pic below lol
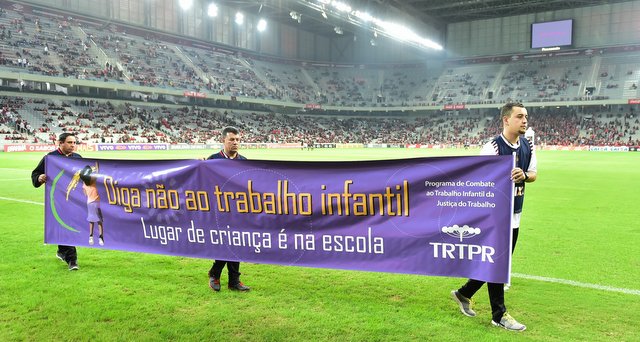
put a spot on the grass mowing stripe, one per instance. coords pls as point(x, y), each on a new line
point(20, 200)
point(577, 283)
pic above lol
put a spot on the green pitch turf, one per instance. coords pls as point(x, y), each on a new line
point(580, 231)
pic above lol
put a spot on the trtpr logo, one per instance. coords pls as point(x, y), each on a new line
point(463, 232)
point(444, 250)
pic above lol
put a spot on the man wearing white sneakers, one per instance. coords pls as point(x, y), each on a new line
point(514, 120)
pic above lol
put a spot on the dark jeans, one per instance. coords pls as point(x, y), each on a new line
point(68, 253)
point(496, 291)
point(233, 268)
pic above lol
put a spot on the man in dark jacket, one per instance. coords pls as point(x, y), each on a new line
point(66, 146)
point(231, 141)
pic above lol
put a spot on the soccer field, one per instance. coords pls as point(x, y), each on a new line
point(575, 271)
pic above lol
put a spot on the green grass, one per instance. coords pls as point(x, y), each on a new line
point(580, 223)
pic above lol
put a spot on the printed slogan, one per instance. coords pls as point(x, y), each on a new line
point(446, 216)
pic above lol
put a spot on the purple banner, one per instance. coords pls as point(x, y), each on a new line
point(446, 216)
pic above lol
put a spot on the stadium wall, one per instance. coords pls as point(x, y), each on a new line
point(602, 25)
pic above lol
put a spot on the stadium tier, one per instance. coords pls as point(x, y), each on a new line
point(68, 48)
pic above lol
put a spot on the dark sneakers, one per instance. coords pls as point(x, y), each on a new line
point(61, 257)
point(214, 283)
point(239, 287)
point(73, 266)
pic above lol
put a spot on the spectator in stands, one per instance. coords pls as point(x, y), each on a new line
point(66, 147)
point(514, 120)
point(231, 141)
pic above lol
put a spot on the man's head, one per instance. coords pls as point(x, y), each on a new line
point(231, 140)
point(67, 143)
point(514, 118)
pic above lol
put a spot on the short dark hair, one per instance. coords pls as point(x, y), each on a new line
point(229, 129)
point(507, 108)
point(63, 137)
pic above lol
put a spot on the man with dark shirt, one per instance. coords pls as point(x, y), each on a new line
point(514, 118)
point(66, 146)
point(231, 142)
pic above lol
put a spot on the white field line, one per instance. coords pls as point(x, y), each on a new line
point(577, 284)
point(20, 200)
point(516, 275)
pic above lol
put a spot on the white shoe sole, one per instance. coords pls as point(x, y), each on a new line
point(505, 328)
point(60, 258)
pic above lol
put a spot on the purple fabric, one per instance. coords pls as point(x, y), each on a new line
point(445, 216)
point(94, 214)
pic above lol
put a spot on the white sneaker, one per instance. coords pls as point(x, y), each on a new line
point(90, 240)
point(101, 242)
point(509, 323)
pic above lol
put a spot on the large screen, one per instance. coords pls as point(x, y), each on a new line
point(551, 34)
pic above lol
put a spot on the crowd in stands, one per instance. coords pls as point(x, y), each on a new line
point(65, 47)
point(39, 120)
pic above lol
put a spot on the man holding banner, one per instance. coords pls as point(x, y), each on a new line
point(66, 147)
point(231, 143)
point(514, 120)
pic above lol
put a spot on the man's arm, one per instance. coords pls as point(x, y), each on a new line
point(37, 175)
point(532, 170)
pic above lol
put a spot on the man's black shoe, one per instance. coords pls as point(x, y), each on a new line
point(214, 283)
point(73, 266)
point(61, 257)
point(239, 287)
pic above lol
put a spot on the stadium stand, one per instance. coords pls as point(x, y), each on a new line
point(65, 47)
point(95, 121)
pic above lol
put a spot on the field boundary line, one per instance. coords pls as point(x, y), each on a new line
point(577, 284)
point(20, 200)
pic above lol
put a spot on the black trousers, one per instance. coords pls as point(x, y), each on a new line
point(68, 253)
point(233, 268)
point(496, 291)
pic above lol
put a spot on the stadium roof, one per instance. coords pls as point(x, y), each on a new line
point(449, 11)
point(431, 13)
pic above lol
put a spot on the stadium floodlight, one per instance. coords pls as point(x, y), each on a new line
point(262, 25)
point(296, 16)
point(364, 16)
point(403, 33)
point(363, 19)
point(212, 10)
point(341, 6)
point(185, 4)
point(239, 18)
